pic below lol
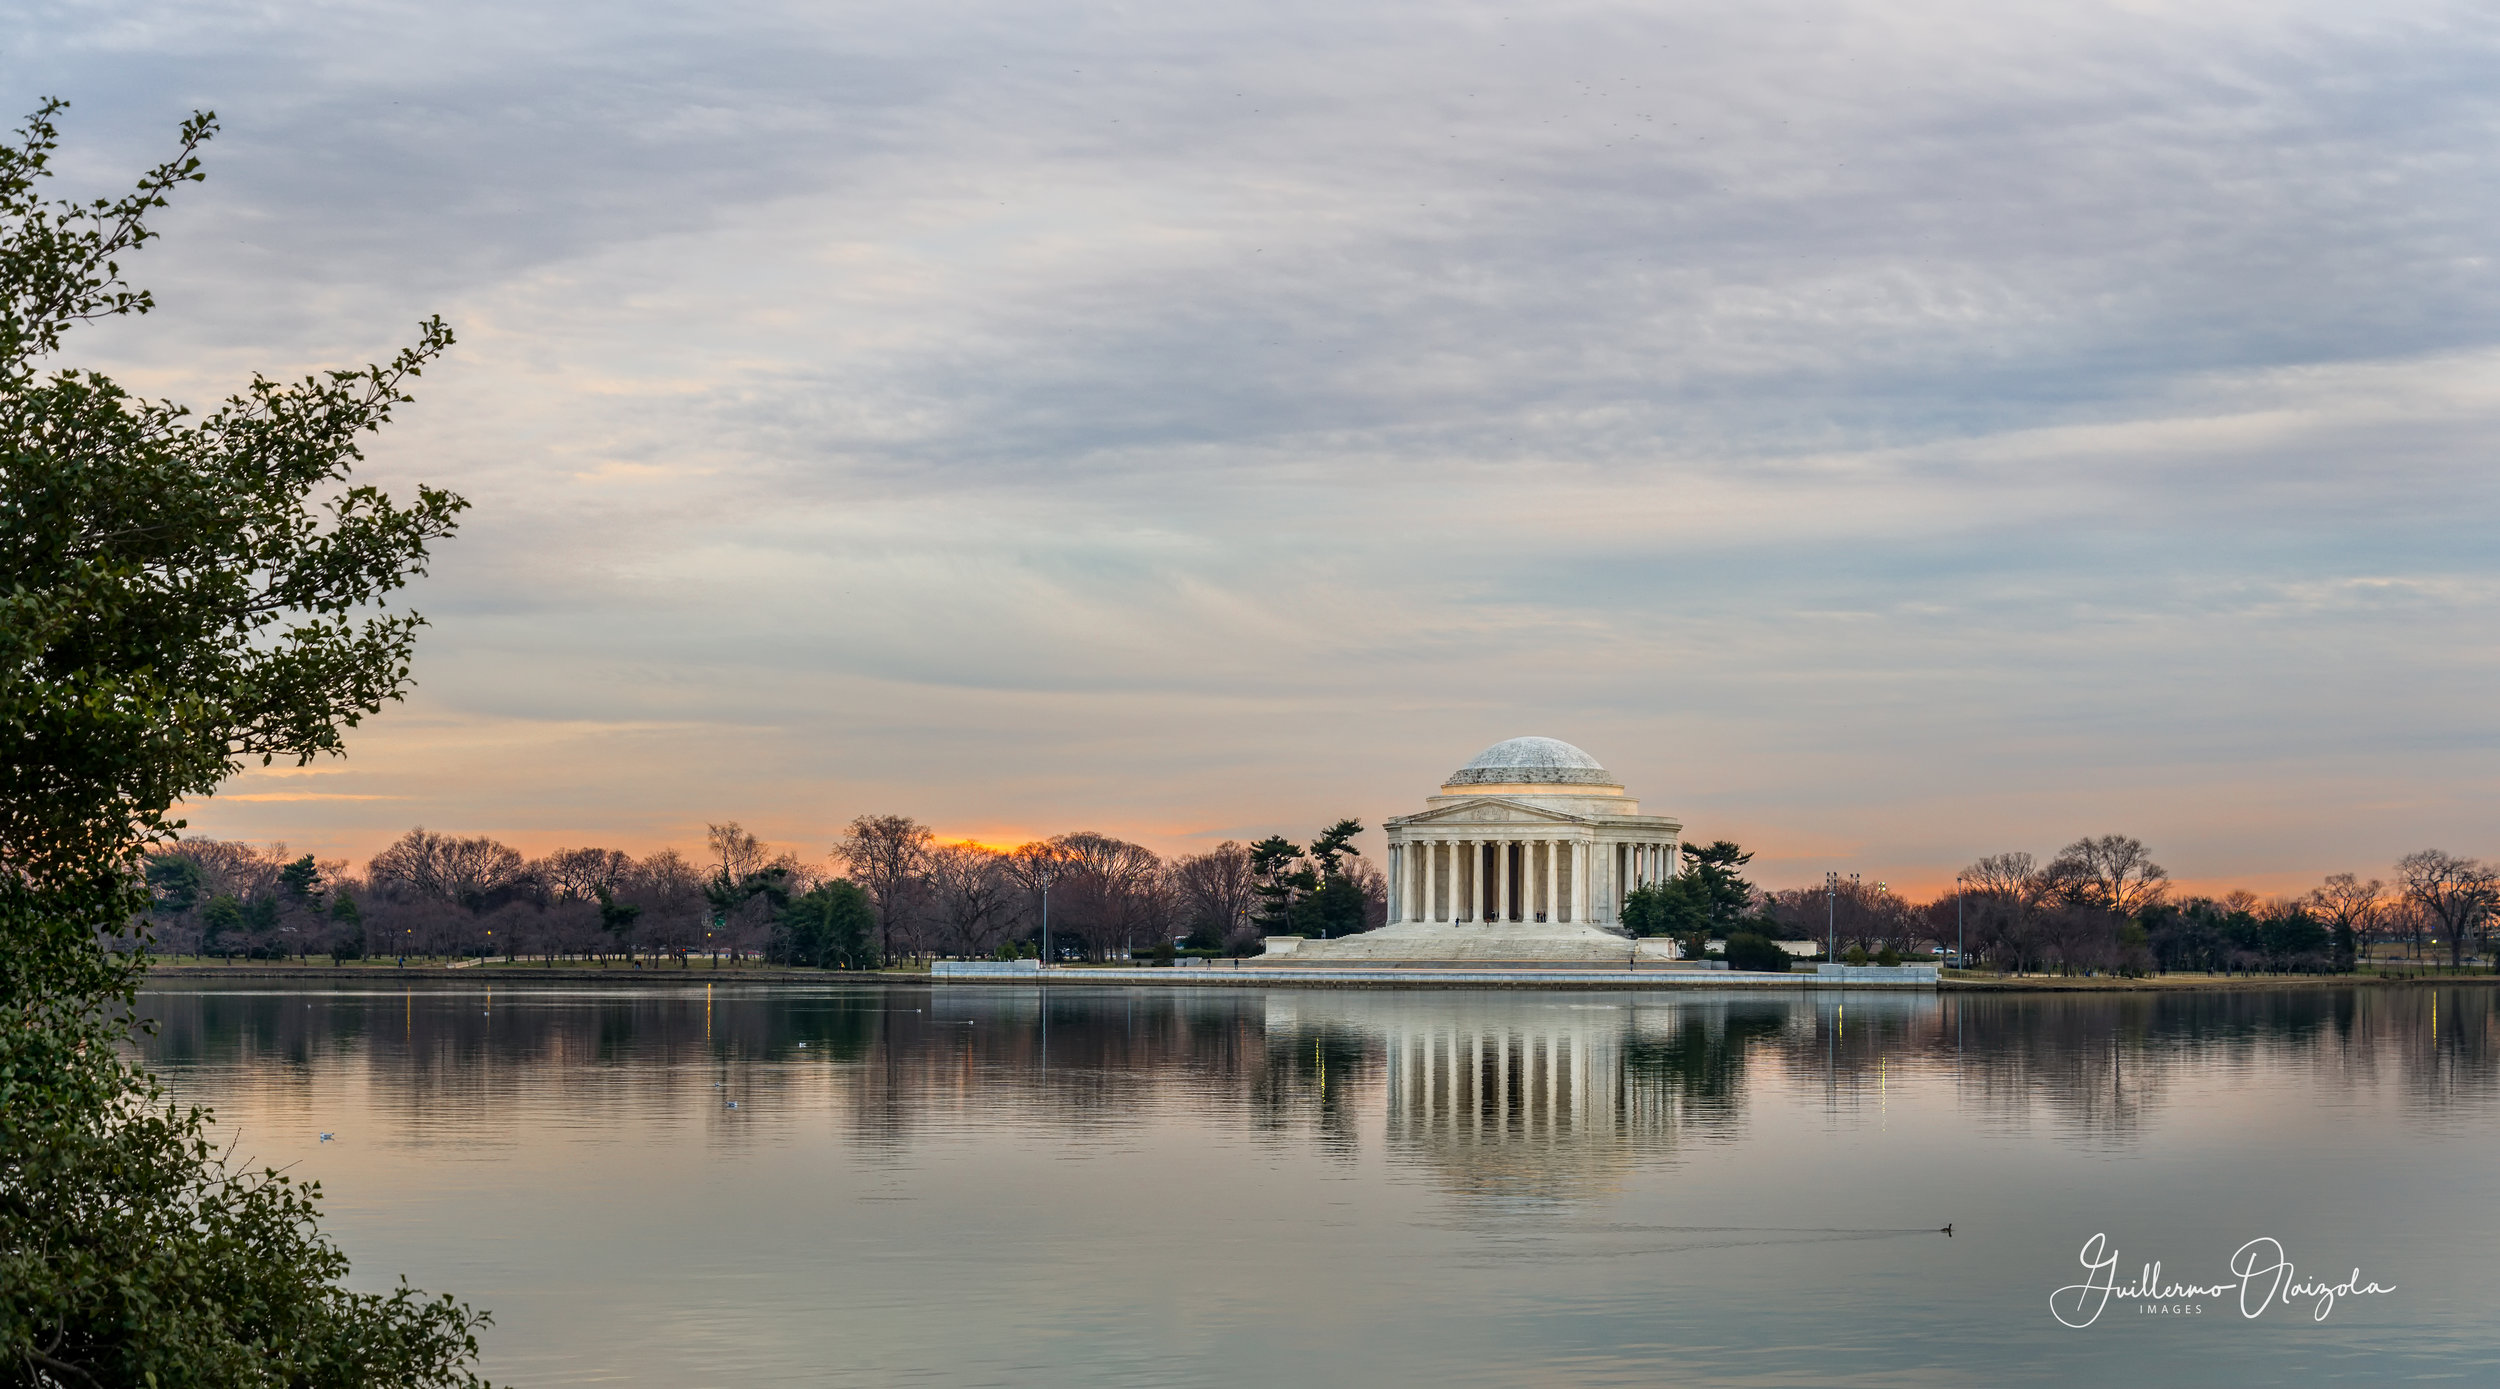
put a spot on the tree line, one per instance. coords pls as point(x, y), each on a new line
point(2104, 904)
point(2101, 904)
point(889, 889)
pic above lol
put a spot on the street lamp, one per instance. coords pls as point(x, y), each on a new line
point(1961, 959)
point(1041, 870)
point(1831, 917)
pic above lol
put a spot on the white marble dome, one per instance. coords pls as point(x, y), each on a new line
point(1532, 762)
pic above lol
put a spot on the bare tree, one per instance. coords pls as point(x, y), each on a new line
point(1863, 915)
point(2455, 894)
point(2404, 921)
point(1037, 867)
point(975, 895)
point(804, 875)
point(2113, 872)
point(2344, 900)
point(749, 885)
point(738, 854)
point(1373, 884)
point(467, 872)
point(1217, 892)
point(668, 891)
point(230, 869)
point(2012, 877)
point(580, 875)
point(1110, 890)
point(886, 855)
point(2007, 889)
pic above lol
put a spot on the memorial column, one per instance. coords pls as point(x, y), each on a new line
point(1501, 880)
point(1419, 876)
point(1434, 893)
point(1431, 867)
point(1423, 899)
point(1571, 875)
point(1553, 905)
point(1396, 864)
point(1597, 881)
point(1580, 882)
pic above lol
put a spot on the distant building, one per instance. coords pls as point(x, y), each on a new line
point(1532, 830)
point(1525, 854)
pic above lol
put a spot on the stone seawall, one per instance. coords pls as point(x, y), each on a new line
point(1443, 977)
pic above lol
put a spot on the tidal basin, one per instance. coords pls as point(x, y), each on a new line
point(878, 1184)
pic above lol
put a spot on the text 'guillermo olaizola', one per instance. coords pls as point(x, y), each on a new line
point(2261, 1277)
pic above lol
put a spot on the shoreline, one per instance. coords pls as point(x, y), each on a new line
point(2209, 984)
point(1272, 977)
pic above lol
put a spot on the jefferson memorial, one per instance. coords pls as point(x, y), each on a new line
point(1526, 854)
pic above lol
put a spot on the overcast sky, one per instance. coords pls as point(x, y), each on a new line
point(1884, 434)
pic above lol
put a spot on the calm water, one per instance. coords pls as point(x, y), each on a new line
point(957, 1186)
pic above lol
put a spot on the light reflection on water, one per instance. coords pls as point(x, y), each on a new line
point(671, 1185)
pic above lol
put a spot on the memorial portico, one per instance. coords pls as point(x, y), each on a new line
point(1527, 852)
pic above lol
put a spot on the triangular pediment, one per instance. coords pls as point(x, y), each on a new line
point(1491, 810)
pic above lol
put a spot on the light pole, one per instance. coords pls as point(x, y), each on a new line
point(1831, 917)
point(1961, 960)
point(1043, 870)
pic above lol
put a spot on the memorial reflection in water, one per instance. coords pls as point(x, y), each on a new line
point(1522, 1094)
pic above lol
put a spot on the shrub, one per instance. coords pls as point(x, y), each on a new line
point(1751, 952)
point(1855, 955)
point(1888, 956)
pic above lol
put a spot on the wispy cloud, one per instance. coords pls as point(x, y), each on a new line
point(294, 796)
point(1920, 431)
